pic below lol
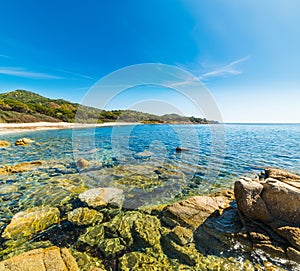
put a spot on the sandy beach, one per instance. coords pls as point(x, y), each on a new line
point(12, 128)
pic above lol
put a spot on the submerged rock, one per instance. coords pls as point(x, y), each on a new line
point(22, 167)
point(101, 197)
point(84, 216)
point(49, 259)
point(143, 154)
point(23, 141)
point(31, 221)
point(82, 163)
point(4, 143)
point(92, 235)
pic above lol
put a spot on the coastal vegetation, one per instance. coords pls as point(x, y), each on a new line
point(24, 106)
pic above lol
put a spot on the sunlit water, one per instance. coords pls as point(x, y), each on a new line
point(143, 161)
point(213, 158)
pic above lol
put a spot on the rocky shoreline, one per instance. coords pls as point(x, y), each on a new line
point(254, 227)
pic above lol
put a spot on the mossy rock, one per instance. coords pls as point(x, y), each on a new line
point(86, 262)
point(31, 221)
point(137, 261)
point(84, 216)
point(92, 235)
point(137, 229)
point(112, 246)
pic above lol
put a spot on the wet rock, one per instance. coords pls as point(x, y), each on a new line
point(292, 234)
point(92, 235)
point(49, 259)
point(84, 216)
point(23, 141)
point(22, 167)
point(138, 230)
point(193, 211)
point(185, 254)
point(82, 163)
point(179, 149)
point(31, 221)
point(137, 261)
point(86, 262)
point(181, 235)
point(101, 197)
point(111, 247)
point(4, 143)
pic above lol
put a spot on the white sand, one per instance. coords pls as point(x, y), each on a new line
point(12, 128)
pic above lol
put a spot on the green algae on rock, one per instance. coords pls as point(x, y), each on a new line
point(92, 235)
point(31, 221)
point(84, 216)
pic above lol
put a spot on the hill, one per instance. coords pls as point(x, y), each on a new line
point(25, 106)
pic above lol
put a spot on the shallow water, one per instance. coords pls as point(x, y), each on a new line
point(142, 160)
point(214, 156)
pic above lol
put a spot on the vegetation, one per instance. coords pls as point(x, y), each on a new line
point(25, 106)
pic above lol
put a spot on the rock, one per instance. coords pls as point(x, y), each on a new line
point(281, 175)
point(269, 208)
point(93, 235)
point(86, 262)
point(247, 194)
point(23, 141)
point(82, 163)
point(179, 149)
point(22, 167)
point(49, 259)
point(101, 197)
point(84, 216)
point(181, 235)
point(272, 202)
point(137, 261)
point(4, 143)
point(292, 234)
point(186, 255)
point(193, 211)
point(293, 254)
point(138, 230)
point(111, 247)
point(143, 154)
point(31, 221)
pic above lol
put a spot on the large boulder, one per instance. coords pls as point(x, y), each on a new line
point(31, 221)
point(269, 208)
point(193, 211)
point(101, 197)
point(275, 202)
point(49, 259)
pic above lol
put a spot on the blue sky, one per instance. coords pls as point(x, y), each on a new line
point(246, 53)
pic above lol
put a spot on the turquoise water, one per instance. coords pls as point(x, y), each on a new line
point(215, 156)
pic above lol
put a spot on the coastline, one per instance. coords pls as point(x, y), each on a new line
point(12, 128)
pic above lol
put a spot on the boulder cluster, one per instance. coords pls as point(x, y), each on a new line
point(259, 222)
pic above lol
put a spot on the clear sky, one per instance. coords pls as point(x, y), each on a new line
point(246, 53)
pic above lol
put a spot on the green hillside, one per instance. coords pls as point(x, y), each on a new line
point(25, 106)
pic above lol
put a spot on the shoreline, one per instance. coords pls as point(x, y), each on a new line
point(14, 128)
